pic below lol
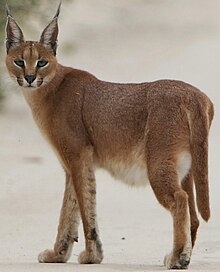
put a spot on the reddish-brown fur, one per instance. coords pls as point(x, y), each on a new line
point(156, 131)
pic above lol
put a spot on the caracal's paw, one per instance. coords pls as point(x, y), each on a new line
point(49, 256)
point(90, 257)
point(173, 262)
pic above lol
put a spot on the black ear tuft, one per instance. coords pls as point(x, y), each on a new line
point(14, 35)
point(49, 35)
point(58, 11)
point(7, 10)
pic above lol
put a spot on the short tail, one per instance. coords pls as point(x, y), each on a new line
point(199, 124)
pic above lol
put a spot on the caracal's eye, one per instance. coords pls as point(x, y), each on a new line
point(19, 63)
point(42, 63)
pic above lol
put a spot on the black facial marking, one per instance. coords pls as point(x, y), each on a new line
point(30, 50)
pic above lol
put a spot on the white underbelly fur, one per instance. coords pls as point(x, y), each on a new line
point(134, 173)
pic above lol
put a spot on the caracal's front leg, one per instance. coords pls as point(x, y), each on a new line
point(85, 186)
point(67, 230)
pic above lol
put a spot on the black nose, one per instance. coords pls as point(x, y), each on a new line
point(30, 78)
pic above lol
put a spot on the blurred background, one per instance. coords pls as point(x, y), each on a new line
point(121, 41)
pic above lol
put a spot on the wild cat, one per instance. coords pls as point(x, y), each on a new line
point(156, 132)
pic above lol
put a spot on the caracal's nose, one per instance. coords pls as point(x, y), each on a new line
point(30, 78)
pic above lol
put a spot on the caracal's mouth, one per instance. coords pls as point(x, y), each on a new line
point(34, 85)
point(30, 86)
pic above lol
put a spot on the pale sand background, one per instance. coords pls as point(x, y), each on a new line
point(126, 40)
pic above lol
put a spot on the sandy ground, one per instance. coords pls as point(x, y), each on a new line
point(117, 41)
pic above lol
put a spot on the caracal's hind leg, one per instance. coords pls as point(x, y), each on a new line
point(187, 185)
point(85, 186)
point(67, 230)
point(164, 181)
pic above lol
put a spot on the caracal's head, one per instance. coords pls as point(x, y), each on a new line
point(31, 63)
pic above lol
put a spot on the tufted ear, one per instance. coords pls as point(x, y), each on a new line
point(14, 35)
point(49, 35)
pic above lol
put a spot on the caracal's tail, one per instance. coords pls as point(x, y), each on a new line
point(200, 122)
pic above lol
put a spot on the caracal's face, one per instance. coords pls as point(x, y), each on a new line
point(31, 64)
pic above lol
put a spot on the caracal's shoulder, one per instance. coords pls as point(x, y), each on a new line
point(75, 74)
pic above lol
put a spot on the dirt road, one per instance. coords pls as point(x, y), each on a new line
point(117, 41)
